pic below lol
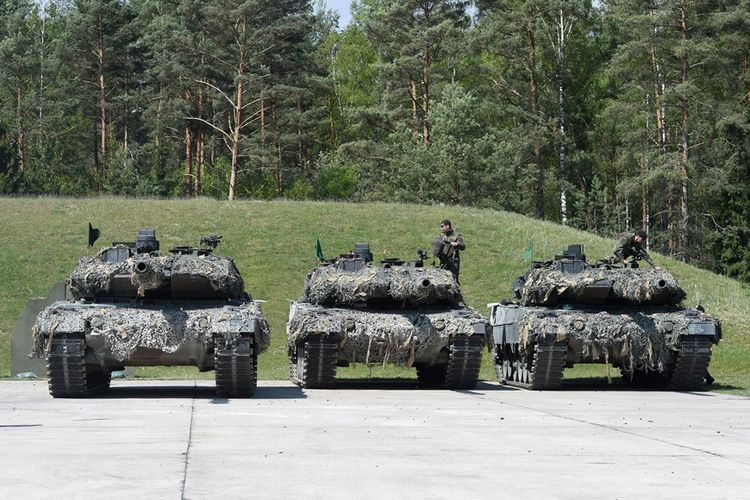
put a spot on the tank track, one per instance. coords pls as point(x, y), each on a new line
point(540, 367)
point(464, 361)
point(236, 367)
point(67, 373)
point(687, 373)
point(314, 364)
point(691, 363)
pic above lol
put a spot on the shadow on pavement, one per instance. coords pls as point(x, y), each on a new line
point(190, 391)
point(618, 384)
point(405, 384)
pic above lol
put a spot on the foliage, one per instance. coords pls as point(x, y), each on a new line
point(635, 113)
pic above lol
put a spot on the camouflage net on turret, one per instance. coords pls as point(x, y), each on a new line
point(383, 337)
point(93, 277)
point(404, 285)
point(167, 328)
point(545, 286)
point(644, 339)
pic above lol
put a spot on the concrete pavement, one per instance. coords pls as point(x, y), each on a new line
point(174, 439)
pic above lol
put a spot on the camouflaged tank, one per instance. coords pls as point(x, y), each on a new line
point(132, 307)
point(395, 312)
point(567, 311)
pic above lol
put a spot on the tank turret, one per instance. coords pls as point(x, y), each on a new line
point(568, 279)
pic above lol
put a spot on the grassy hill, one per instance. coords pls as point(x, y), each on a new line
point(273, 246)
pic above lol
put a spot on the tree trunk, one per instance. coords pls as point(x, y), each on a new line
point(237, 116)
point(426, 97)
point(658, 98)
point(684, 104)
point(332, 124)
point(21, 137)
point(277, 145)
point(414, 117)
point(561, 104)
point(534, 103)
point(102, 103)
point(188, 160)
point(200, 161)
point(644, 198)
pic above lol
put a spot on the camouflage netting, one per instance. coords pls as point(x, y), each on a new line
point(384, 337)
point(149, 273)
point(401, 284)
point(545, 286)
point(127, 328)
point(638, 339)
point(93, 277)
point(221, 272)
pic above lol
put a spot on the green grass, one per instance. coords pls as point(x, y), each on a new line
point(273, 246)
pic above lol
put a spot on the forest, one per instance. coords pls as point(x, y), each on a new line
point(604, 115)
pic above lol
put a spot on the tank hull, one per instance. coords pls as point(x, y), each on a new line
point(533, 345)
point(432, 339)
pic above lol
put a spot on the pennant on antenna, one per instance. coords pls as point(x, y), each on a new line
point(93, 235)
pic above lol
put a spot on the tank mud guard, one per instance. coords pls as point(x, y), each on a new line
point(68, 376)
point(236, 367)
point(541, 366)
point(313, 363)
point(464, 361)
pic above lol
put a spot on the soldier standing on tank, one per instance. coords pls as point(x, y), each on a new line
point(631, 245)
point(447, 246)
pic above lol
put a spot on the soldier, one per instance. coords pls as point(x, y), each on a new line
point(631, 245)
point(447, 246)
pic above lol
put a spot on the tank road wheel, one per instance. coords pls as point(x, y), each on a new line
point(464, 360)
point(512, 367)
point(539, 367)
point(67, 373)
point(236, 367)
point(314, 363)
point(504, 362)
point(690, 364)
point(431, 376)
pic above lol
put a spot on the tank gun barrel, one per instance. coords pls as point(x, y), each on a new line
point(143, 268)
point(148, 274)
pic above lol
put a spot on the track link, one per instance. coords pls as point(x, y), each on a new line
point(236, 367)
point(691, 363)
point(313, 365)
point(67, 373)
point(464, 361)
point(541, 366)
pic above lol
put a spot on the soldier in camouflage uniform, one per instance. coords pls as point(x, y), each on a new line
point(447, 246)
point(631, 245)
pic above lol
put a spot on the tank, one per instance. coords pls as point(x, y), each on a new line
point(397, 312)
point(567, 311)
point(131, 306)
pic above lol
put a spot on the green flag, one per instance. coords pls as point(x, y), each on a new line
point(319, 250)
point(529, 253)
